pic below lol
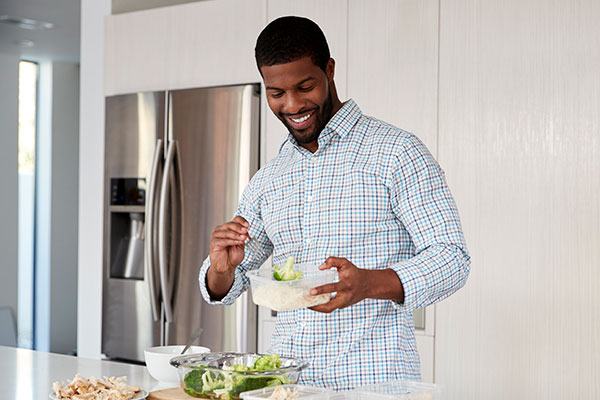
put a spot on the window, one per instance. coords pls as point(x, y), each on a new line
point(28, 89)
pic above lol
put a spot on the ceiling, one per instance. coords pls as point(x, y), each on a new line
point(60, 43)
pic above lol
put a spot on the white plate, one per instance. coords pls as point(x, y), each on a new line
point(141, 395)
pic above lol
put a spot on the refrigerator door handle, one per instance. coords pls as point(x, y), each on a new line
point(150, 230)
point(162, 232)
point(244, 178)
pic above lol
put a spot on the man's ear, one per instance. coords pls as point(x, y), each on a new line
point(330, 69)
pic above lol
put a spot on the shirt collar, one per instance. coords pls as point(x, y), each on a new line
point(344, 120)
point(341, 124)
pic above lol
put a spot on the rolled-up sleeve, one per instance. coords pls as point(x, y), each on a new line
point(257, 250)
point(422, 201)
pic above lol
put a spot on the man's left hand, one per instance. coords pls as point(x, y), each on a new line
point(351, 288)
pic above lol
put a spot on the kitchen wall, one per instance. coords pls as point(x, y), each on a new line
point(91, 173)
point(505, 94)
point(56, 208)
point(65, 190)
point(9, 113)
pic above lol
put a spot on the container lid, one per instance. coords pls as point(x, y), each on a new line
point(309, 272)
point(300, 391)
point(224, 359)
point(399, 389)
point(352, 395)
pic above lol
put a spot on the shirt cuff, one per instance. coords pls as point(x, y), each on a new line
point(413, 284)
point(230, 297)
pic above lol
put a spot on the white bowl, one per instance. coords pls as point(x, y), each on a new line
point(157, 360)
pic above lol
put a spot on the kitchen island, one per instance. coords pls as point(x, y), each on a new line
point(28, 375)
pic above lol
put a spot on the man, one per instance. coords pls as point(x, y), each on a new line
point(346, 191)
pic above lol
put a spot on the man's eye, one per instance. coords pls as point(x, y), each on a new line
point(277, 94)
point(306, 88)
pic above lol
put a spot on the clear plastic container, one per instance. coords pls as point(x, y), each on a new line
point(289, 295)
point(301, 392)
point(397, 389)
point(220, 366)
point(353, 395)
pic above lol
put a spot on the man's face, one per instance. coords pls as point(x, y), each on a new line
point(299, 94)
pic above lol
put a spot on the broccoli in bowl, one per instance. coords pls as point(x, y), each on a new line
point(226, 375)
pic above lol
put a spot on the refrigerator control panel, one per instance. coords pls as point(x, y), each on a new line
point(128, 191)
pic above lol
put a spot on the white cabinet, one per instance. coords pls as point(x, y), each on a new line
point(519, 137)
point(200, 44)
point(392, 63)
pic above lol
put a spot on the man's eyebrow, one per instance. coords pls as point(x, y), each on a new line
point(297, 84)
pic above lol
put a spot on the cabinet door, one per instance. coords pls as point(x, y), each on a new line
point(393, 63)
point(200, 44)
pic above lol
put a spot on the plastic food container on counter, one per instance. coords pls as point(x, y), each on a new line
point(397, 389)
point(289, 295)
point(300, 392)
point(211, 375)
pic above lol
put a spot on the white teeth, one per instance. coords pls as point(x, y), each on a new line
point(299, 120)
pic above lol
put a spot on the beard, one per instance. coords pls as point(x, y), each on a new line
point(322, 117)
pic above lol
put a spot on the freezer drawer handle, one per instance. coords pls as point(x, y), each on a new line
point(162, 234)
point(150, 230)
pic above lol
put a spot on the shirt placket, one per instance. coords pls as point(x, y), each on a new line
point(308, 227)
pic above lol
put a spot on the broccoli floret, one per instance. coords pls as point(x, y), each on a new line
point(247, 383)
point(278, 380)
point(200, 382)
point(286, 273)
point(211, 383)
point(268, 362)
point(193, 381)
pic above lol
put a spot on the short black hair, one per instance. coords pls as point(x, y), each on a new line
point(291, 38)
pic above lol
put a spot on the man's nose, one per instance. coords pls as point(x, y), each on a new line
point(294, 103)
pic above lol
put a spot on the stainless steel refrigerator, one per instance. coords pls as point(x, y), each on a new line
point(176, 163)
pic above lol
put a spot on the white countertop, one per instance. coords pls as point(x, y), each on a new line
point(28, 375)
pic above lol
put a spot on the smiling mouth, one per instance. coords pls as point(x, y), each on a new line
point(302, 122)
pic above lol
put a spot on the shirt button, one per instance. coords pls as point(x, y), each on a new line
point(309, 198)
point(308, 241)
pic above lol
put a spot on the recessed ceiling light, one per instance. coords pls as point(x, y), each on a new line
point(26, 23)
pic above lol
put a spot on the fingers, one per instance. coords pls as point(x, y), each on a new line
point(329, 288)
point(231, 233)
point(348, 290)
point(241, 220)
point(222, 243)
point(330, 306)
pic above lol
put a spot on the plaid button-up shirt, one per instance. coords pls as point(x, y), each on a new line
point(371, 193)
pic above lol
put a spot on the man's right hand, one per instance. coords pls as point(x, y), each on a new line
point(227, 251)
